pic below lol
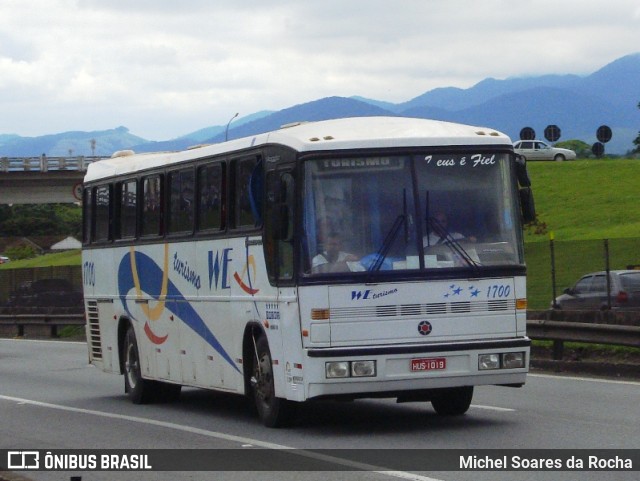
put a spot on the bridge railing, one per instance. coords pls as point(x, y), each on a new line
point(43, 163)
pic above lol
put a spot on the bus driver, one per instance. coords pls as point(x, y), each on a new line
point(332, 258)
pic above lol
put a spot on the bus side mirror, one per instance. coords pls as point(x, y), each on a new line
point(521, 171)
point(280, 196)
point(527, 205)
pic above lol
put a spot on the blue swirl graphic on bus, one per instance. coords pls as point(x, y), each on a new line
point(139, 272)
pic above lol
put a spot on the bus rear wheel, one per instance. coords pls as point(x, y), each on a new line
point(453, 401)
point(273, 411)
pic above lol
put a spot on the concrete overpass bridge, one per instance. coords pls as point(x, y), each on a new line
point(42, 180)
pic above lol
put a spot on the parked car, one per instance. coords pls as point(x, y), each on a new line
point(4, 259)
point(590, 292)
point(539, 150)
point(46, 293)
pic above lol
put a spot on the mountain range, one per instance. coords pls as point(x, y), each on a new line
point(578, 105)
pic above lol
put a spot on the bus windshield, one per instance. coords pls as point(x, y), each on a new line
point(413, 212)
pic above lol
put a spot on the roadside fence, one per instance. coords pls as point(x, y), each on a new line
point(553, 266)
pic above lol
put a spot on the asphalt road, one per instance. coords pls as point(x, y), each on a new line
point(50, 398)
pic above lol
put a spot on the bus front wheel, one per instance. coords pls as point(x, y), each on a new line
point(139, 390)
point(273, 411)
point(453, 401)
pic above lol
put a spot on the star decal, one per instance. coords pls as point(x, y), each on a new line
point(457, 291)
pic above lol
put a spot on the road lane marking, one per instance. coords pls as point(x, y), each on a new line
point(589, 379)
point(493, 408)
point(227, 437)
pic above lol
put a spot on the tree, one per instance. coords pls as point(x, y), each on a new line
point(38, 220)
point(582, 149)
point(20, 252)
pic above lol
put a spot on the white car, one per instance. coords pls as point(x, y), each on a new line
point(539, 150)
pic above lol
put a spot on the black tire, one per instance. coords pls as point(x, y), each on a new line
point(453, 402)
point(139, 390)
point(559, 158)
point(273, 411)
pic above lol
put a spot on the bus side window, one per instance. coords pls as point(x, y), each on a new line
point(181, 201)
point(247, 198)
point(152, 206)
point(87, 215)
point(126, 209)
point(211, 197)
point(102, 230)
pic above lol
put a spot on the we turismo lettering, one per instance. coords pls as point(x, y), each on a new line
point(182, 268)
point(368, 294)
point(219, 269)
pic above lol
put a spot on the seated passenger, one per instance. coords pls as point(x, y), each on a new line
point(332, 258)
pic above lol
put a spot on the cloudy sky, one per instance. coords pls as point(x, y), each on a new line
point(164, 68)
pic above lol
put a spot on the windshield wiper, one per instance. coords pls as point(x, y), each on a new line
point(381, 255)
point(401, 220)
point(451, 242)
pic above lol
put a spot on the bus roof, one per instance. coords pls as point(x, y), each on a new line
point(337, 134)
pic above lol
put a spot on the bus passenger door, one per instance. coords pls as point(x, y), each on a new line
point(283, 316)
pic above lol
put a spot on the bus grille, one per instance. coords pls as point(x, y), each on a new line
point(95, 344)
point(428, 309)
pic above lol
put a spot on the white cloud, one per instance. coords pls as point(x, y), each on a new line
point(164, 68)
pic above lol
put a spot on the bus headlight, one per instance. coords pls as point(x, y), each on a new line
point(488, 361)
point(506, 360)
point(337, 369)
point(363, 368)
point(513, 360)
point(342, 369)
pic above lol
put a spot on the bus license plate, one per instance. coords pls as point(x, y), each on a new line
point(429, 364)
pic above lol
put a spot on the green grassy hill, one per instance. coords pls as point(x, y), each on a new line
point(581, 202)
point(65, 258)
point(587, 199)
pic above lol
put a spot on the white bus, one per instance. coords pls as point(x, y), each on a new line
point(350, 258)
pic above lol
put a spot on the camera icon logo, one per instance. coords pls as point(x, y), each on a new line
point(23, 460)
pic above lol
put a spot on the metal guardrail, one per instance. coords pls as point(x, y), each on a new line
point(38, 324)
point(45, 164)
point(611, 334)
point(616, 328)
point(563, 331)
